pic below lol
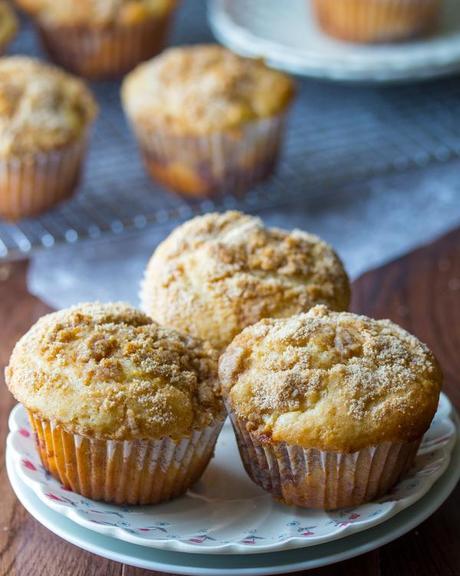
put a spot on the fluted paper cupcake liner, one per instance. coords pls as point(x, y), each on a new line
point(313, 478)
point(124, 472)
point(105, 52)
point(213, 164)
point(33, 183)
point(377, 20)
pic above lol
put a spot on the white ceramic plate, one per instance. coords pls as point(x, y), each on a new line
point(286, 35)
point(225, 512)
point(243, 565)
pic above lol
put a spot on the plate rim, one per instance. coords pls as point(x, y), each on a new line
point(231, 548)
point(354, 545)
point(445, 59)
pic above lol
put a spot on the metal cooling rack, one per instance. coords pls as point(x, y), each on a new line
point(337, 135)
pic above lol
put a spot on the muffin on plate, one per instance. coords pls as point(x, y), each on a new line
point(373, 21)
point(208, 121)
point(123, 410)
point(219, 273)
point(8, 25)
point(328, 408)
point(45, 115)
point(101, 38)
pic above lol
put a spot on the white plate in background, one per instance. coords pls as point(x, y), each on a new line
point(287, 36)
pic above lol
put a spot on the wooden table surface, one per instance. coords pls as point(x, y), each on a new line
point(420, 291)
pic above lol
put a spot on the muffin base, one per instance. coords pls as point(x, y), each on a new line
point(377, 21)
point(124, 472)
point(215, 164)
point(98, 53)
point(34, 183)
point(313, 478)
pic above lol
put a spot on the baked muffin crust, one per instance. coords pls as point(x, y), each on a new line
point(95, 12)
point(219, 273)
point(41, 107)
point(332, 381)
point(109, 371)
point(204, 88)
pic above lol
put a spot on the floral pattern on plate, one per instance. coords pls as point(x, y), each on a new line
point(225, 512)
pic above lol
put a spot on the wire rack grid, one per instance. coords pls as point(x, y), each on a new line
point(337, 135)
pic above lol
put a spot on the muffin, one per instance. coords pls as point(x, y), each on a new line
point(45, 115)
point(371, 21)
point(101, 38)
point(328, 408)
point(208, 121)
point(123, 410)
point(219, 273)
point(8, 25)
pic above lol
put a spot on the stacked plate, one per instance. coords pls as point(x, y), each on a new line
point(226, 524)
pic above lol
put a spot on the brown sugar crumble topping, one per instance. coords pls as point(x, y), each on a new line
point(41, 107)
point(110, 370)
point(204, 88)
point(219, 273)
point(331, 380)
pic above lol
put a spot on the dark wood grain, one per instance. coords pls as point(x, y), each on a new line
point(420, 291)
point(26, 548)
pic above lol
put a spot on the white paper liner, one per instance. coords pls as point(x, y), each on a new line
point(377, 20)
point(33, 183)
point(213, 164)
point(105, 52)
point(125, 472)
point(313, 478)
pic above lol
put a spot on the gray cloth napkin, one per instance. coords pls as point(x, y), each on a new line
point(367, 224)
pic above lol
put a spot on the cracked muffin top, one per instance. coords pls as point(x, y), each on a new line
point(204, 88)
point(217, 274)
point(331, 380)
point(109, 371)
point(41, 107)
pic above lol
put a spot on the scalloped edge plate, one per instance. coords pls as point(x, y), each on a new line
point(242, 565)
point(226, 513)
point(290, 40)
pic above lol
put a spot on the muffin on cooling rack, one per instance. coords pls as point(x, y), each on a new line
point(45, 115)
point(101, 38)
point(208, 121)
point(8, 25)
point(123, 410)
point(219, 273)
point(371, 21)
point(328, 408)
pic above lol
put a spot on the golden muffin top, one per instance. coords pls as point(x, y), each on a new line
point(8, 23)
point(204, 88)
point(95, 12)
point(109, 371)
point(334, 381)
point(41, 107)
point(219, 273)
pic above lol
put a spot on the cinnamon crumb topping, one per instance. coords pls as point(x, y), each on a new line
point(334, 381)
point(109, 370)
point(204, 88)
point(219, 273)
point(41, 107)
